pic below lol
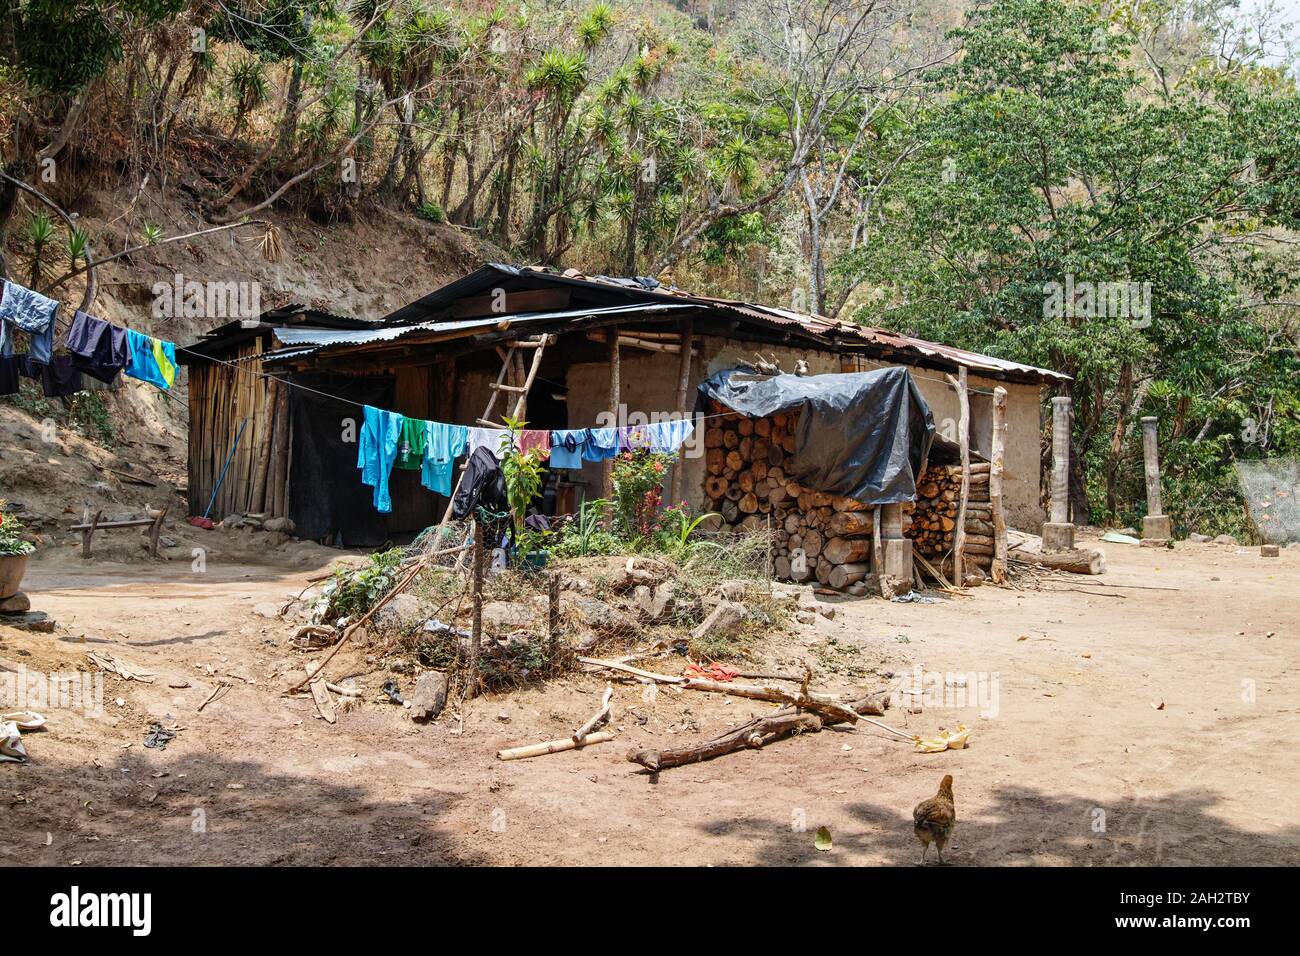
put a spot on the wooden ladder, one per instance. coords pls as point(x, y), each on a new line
point(537, 345)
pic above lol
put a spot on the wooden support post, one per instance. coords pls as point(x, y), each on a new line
point(553, 615)
point(1058, 533)
point(86, 534)
point(998, 572)
point(476, 633)
point(683, 383)
point(1156, 525)
point(614, 383)
point(963, 443)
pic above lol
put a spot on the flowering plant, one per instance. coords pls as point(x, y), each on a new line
point(11, 539)
point(637, 478)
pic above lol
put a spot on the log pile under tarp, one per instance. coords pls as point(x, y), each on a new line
point(933, 524)
point(816, 536)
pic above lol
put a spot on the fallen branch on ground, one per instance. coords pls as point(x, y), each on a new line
point(804, 699)
point(756, 733)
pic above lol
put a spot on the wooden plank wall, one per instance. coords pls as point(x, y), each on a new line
point(220, 398)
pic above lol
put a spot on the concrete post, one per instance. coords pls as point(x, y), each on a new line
point(1058, 533)
point(1156, 525)
point(897, 559)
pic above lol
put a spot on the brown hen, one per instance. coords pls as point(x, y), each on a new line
point(934, 819)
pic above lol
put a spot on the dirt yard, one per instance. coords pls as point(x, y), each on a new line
point(1129, 726)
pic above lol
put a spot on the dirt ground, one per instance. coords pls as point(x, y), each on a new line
point(1129, 726)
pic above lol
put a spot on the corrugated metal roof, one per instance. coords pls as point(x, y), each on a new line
point(816, 325)
point(304, 341)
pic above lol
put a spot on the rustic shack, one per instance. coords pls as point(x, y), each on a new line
point(600, 344)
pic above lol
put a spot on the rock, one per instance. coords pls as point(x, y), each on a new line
point(429, 696)
point(805, 617)
point(1269, 551)
point(1199, 538)
point(267, 610)
point(1225, 539)
point(653, 605)
point(167, 541)
point(857, 590)
point(398, 614)
point(603, 619)
point(16, 604)
point(723, 621)
point(507, 614)
point(732, 590)
point(37, 621)
point(231, 521)
point(284, 525)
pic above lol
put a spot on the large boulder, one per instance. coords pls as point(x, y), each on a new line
point(603, 619)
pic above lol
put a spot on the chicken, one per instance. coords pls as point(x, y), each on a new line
point(934, 819)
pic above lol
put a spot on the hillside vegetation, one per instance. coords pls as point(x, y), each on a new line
point(1105, 189)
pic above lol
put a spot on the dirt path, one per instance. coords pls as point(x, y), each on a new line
point(1070, 763)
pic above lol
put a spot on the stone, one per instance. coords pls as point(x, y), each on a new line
point(1199, 538)
point(653, 605)
point(1058, 536)
point(1157, 527)
point(732, 590)
point(897, 563)
point(1269, 551)
point(1225, 539)
point(37, 621)
point(1157, 543)
point(507, 614)
point(805, 617)
point(285, 525)
point(604, 619)
point(429, 696)
point(723, 621)
point(398, 614)
point(16, 603)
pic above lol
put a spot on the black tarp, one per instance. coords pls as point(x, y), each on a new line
point(863, 435)
point(326, 497)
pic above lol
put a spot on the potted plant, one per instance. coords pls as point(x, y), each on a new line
point(13, 554)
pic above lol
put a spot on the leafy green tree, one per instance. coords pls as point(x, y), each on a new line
point(1061, 215)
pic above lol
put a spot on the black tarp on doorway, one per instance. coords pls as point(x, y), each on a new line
point(327, 500)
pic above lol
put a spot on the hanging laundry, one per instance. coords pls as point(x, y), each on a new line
point(540, 440)
point(495, 440)
point(634, 438)
point(377, 448)
point(58, 377)
point(8, 375)
point(97, 348)
point(668, 436)
point(410, 446)
point(602, 444)
point(150, 360)
point(568, 446)
point(33, 313)
point(443, 444)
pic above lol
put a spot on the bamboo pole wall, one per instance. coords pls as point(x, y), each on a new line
point(221, 397)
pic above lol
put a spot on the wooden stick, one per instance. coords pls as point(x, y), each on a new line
point(476, 630)
point(553, 746)
point(998, 572)
point(963, 441)
point(683, 383)
point(598, 718)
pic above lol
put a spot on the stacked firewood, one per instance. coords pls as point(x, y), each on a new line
point(816, 535)
point(934, 515)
